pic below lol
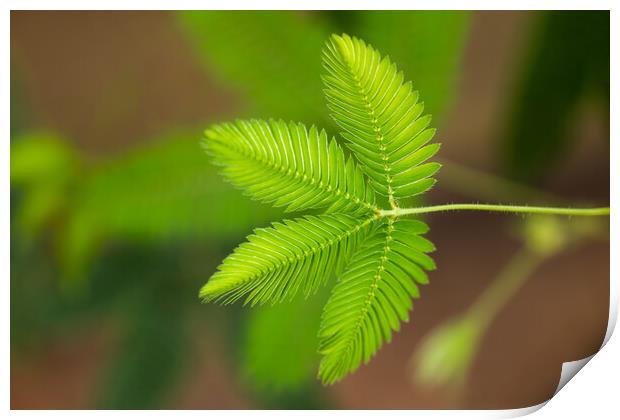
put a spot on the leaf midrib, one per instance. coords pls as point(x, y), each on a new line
point(377, 130)
point(373, 286)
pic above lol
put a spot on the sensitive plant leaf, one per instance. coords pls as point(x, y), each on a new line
point(295, 255)
point(289, 165)
point(373, 296)
point(381, 118)
point(378, 260)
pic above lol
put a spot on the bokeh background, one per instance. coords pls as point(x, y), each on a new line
point(118, 218)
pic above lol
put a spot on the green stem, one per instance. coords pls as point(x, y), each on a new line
point(600, 211)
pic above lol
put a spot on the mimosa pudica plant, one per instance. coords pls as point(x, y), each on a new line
point(362, 237)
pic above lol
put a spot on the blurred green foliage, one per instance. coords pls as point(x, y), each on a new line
point(46, 167)
point(122, 224)
point(156, 194)
point(153, 338)
point(567, 60)
point(287, 359)
point(265, 56)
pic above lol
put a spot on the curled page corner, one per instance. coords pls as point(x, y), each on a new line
point(570, 369)
point(520, 412)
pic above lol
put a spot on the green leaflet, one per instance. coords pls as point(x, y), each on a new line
point(275, 263)
point(289, 165)
point(381, 118)
point(372, 296)
point(378, 259)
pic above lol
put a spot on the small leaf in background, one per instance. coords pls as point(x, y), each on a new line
point(545, 235)
point(548, 235)
point(446, 353)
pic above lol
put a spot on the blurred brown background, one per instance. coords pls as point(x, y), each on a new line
point(110, 81)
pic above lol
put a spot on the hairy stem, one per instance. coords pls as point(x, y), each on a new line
point(600, 211)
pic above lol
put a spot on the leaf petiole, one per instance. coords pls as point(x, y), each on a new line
point(599, 211)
